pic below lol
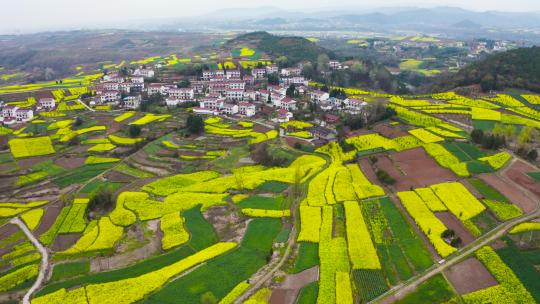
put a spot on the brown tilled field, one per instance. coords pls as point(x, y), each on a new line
point(411, 168)
point(518, 173)
point(389, 131)
point(470, 275)
point(70, 162)
point(452, 222)
point(515, 195)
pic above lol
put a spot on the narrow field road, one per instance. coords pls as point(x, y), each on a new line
point(44, 259)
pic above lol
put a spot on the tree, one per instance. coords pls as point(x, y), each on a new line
point(101, 201)
point(291, 91)
point(273, 79)
point(323, 63)
point(184, 83)
point(282, 61)
point(477, 135)
point(532, 155)
point(134, 131)
point(195, 124)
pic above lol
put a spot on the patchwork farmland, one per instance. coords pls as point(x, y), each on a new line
point(161, 203)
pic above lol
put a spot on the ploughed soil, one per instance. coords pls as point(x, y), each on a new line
point(115, 176)
point(411, 168)
point(6, 231)
point(518, 173)
point(389, 131)
point(470, 275)
point(514, 194)
point(453, 223)
point(291, 141)
point(65, 241)
point(48, 219)
point(288, 291)
point(27, 163)
point(70, 162)
point(260, 128)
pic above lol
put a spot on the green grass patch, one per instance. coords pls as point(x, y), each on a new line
point(70, 270)
point(202, 236)
point(533, 256)
point(263, 202)
point(478, 167)
point(521, 266)
point(132, 171)
point(95, 185)
point(50, 167)
point(534, 175)
point(435, 290)
point(487, 191)
point(225, 271)
point(484, 125)
point(273, 186)
point(308, 294)
point(5, 158)
point(369, 283)
point(308, 256)
point(81, 174)
point(413, 247)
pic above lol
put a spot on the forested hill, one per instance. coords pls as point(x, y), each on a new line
point(296, 49)
point(518, 68)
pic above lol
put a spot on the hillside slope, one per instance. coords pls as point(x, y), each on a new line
point(296, 49)
point(518, 68)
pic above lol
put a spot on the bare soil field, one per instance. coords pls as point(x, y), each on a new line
point(27, 163)
point(70, 162)
point(64, 241)
point(470, 275)
point(389, 131)
point(411, 168)
point(260, 128)
point(288, 291)
point(115, 176)
point(514, 194)
point(51, 213)
point(518, 173)
point(291, 141)
point(453, 223)
point(419, 167)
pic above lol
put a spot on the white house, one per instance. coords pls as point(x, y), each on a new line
point(233, 74)
point(318, 96)
point(288, 104)
point(288, 72)
point(109, 96)
point(258, 73)
point(132, 102)
point(146, 73)
point(246, 108)
point(182, 93)
point(229, 108)
point(23, 115)
point(234, 94)
point(46, 103)
point(272, 69)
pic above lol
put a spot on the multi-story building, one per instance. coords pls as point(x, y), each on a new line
point(258, 73)
point(132, 102)
point(46, 104)
point(246, 108)
point(182, 93)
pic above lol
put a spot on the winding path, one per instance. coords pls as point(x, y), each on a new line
point(44, 267)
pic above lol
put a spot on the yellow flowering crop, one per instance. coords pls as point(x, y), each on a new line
point(362, 252)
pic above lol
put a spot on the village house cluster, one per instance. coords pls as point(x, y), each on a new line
point(231, 92)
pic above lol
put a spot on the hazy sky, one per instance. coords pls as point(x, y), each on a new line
point(46, 14)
